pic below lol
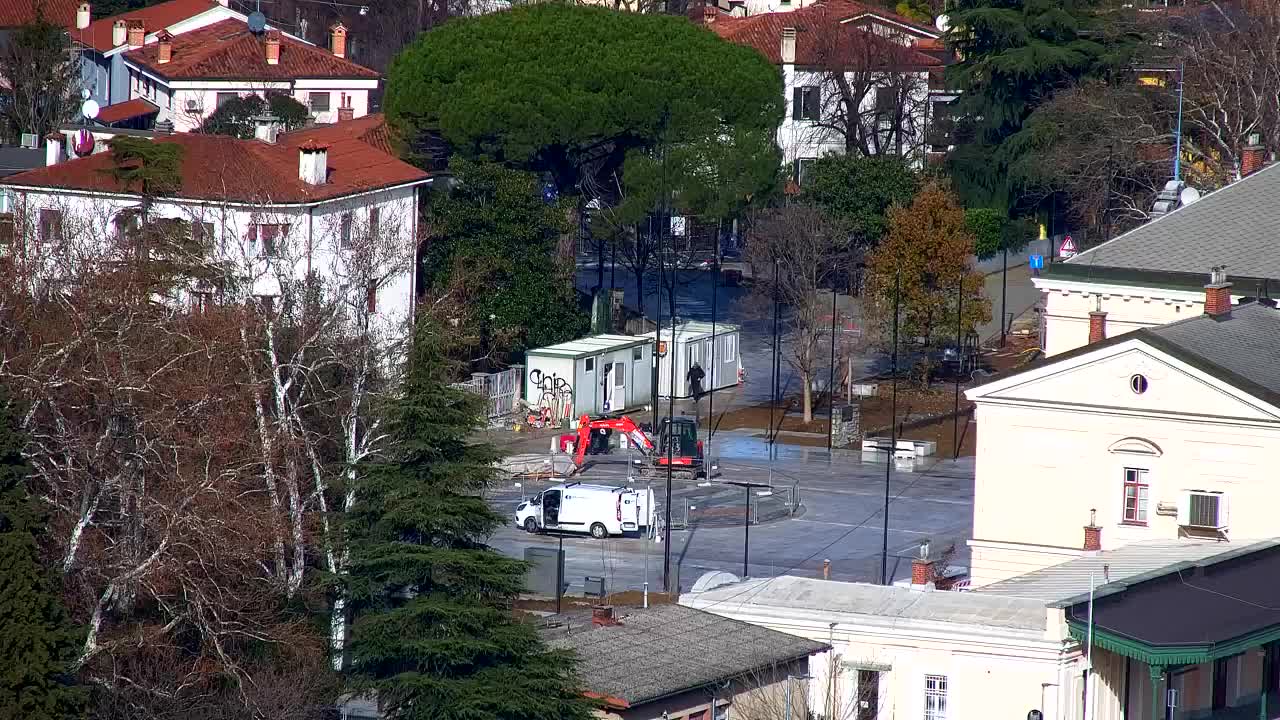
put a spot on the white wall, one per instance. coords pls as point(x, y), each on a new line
point(807, 139)
point(1055, 446)
point(311, 246)
point(1068, 304)
point(203, 99)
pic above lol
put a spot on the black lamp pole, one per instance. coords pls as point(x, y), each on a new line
point(893, 433)
point(831, 374)
point(955, 420)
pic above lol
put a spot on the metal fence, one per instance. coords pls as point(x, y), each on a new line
point(501, 389)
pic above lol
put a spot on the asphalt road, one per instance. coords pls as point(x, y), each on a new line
point(841, 519)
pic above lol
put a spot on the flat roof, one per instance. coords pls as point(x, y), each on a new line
point(1111, 570)
point(890, 602)
point(696, 330)
point(592, 345)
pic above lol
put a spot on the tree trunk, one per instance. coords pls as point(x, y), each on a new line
point(808, 398)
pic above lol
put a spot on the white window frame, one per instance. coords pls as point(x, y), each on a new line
point(1140, 480)
point(730, 348)
point(935, 697)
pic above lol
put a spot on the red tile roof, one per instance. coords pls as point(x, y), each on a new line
point(827, 32)
point(370, 129)
point(226, 50)
point(98, 34)
point(21, 12)
point(126, 110)
point(224, 169)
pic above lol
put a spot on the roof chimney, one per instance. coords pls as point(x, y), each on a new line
point(338, 40)
point(52, 149)
point(165, 50)
point(602, 616)
point(1092, 533)
point(266, 127)
point(1097, 323)
point(313, 162)
point(1217, 294)
point(119, 33)
point(922, 567)
point(83, 16)
point(272, 45)
point(788, 46)
point(1253, 156)
point(137, 33)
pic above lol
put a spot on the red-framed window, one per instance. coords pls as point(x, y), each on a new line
point(1137, 494)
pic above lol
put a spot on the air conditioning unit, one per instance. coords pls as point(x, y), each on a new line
point(30, 140)
point(1203, 510)
point(193, 105)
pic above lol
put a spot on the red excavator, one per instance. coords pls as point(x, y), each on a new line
point(686, 452)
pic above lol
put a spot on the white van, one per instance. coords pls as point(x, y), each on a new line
point(601, 510)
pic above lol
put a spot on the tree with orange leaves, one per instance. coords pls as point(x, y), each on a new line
point(923, 268)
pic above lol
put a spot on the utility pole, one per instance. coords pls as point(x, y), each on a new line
point(893, 432)
point(711, 377)
point(1004, 292)
point(831, 374)
point(955, 418)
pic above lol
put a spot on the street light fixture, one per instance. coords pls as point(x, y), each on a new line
point(746, 520)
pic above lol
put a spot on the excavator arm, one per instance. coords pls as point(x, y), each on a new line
point(622, 424)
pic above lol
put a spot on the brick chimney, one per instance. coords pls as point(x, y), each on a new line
point(83, 16)
point(1097, 323)
point(338, 40)
point(164, 50)
point(1092, 533)
point(346, 113)
point(119, 33)
point(272, 46)
point(313, 163)
point(1252, 156)
point(137, 33)
point(922, 567)
point(1217, 294)
point(788, 46)
point(602, 616)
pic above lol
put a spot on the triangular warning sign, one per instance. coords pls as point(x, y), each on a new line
point(1068, 246)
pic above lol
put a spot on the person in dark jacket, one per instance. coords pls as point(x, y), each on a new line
point(694, 378)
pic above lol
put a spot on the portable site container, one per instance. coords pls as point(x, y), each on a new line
point(695, 342)
point(593, 375)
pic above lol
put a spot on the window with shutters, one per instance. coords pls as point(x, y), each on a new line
point(935, 697)
point(374, 218)
point(265, 239)
point(319, 101)
point(344, 238)
point(1136, 496)
point(226, 97)
point(202, 235)
point(7, 232)
point(371, 296)
point(806, 103)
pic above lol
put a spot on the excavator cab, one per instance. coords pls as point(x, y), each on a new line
point(682, 432)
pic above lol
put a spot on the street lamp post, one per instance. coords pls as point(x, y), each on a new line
point(893, 432)
point(787, 693)
point(746, 520)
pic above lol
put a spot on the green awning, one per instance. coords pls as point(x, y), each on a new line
point(1172, 655)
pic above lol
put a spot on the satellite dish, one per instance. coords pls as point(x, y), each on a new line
point(89, 109)
point(257, 21)
point(943, 23)
point(1189, 195)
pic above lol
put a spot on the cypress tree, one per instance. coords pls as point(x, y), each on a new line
point(433, 635)
point(37, 642)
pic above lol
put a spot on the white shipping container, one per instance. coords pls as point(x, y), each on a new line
point(595, 375)
point(716, 351)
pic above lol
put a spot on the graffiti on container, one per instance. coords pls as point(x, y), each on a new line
point(555, 396)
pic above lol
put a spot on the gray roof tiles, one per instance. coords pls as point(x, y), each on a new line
point(1067, 583)
point(1235, 226)
point(876, 601)
point(1245, 343)
point(668, 649)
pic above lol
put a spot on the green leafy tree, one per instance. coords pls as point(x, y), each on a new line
point(433, 634)
point(994, 231)
point(574, 90)
point(858, 191)
point(37, 641)
point(236, 117)
point(494, 251)
point(1015, 55)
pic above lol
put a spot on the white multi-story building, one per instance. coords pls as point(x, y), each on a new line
point(329, 202)
point(855, 79)
point(179, 60)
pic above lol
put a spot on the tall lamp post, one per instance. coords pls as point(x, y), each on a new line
point(746, 521)
point(893, 431)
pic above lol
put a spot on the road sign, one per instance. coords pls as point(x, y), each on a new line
point(1068, 248)
point(677, 225)
point(1036, 262)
